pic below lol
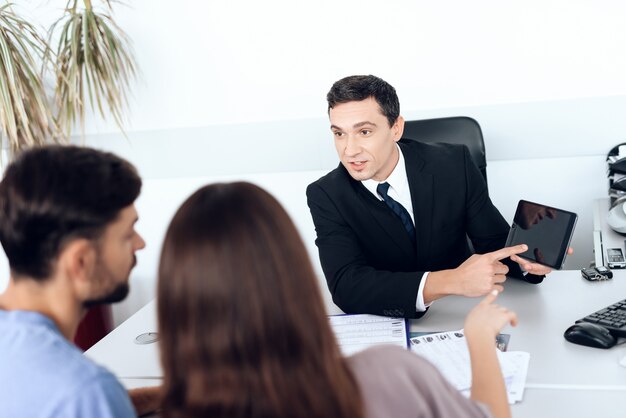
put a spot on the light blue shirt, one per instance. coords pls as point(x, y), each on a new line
point(44, 375)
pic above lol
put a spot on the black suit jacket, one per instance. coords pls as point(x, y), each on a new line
point(369, 261)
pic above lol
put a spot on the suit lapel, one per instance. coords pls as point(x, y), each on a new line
point(422, 195)
point(385, 218)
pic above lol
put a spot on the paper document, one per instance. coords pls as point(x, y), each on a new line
point(448, 352)
point(357, 332)
point(516, 365)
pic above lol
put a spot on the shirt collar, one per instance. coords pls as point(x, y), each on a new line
point(397, 179)
point(30, 317)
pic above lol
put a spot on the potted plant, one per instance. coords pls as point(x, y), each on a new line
point(93, 58)
point(26, 116)
point(92, 61)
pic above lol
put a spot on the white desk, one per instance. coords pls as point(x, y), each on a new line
point(544, 312)
point(563, 379)
point(119, 353)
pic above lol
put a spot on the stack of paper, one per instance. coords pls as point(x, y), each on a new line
point(358, 332)
point(448, 352)
point(514, 366)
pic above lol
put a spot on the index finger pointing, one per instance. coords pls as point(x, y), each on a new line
point(491, 296)
point(508, 251)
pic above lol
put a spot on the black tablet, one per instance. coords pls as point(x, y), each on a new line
point(546, 230)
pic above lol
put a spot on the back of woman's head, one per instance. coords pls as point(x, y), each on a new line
point(242, 323)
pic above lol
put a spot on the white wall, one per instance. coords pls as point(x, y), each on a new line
point(224, 62)
point(210, 62)
point(238, 87)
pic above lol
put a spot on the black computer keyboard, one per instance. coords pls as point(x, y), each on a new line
point(613, 317)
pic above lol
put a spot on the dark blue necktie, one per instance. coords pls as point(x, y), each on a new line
point(398, 209)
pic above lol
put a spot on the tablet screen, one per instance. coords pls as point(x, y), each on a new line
point(546, 230)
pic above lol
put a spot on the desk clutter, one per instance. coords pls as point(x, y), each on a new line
point(449, 353)
point(445, 350)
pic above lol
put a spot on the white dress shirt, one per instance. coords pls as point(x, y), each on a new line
point(400, 192)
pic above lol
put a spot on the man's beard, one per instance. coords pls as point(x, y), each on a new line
point(118, 294)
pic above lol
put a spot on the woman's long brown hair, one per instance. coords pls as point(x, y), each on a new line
point(242, 324)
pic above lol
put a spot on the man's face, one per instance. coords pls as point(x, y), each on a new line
point(116, 259)
point(365, 142)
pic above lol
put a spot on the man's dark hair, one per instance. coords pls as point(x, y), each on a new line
point(360, 87)
point(54, 194)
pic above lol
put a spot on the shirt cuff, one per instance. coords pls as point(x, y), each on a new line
point(420, 306)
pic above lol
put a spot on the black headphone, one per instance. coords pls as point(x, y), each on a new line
point(616, 173)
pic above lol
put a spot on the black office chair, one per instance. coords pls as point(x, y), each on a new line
point(453, 130)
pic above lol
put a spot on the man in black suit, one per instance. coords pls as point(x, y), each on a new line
point(392, 220)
